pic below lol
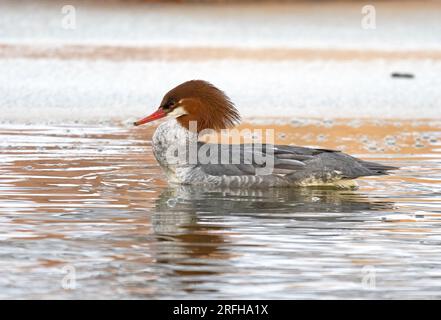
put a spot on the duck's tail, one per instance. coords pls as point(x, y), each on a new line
point(377, 168)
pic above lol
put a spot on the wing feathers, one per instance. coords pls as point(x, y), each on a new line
point(289, 161)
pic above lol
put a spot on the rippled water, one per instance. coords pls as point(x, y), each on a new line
point(90, 203)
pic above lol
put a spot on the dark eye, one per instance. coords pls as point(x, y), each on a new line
point(168, 105)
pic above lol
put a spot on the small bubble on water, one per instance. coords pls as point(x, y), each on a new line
point(171, 203)
point(297, 123)
point(328, 122)
point(425, 136)
point(390, 140)
point(255, 136)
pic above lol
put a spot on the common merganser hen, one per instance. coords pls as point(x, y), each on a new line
point(196, 105)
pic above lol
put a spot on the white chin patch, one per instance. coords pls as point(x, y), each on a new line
point(177, 112)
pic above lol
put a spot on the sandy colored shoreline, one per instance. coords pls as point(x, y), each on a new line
point(121, 53)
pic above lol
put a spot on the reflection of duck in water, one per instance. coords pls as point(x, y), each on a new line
point(183, 205)
point(201, 105)
point(194, 225)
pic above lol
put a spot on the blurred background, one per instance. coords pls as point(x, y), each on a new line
point(89, 61)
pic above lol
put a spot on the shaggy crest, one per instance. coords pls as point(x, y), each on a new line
point(202, 102)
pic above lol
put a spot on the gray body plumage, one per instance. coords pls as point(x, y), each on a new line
point(251, 165)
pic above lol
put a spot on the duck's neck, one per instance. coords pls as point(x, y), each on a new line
point(170, 140)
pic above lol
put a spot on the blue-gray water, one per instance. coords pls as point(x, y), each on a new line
point(85, 213)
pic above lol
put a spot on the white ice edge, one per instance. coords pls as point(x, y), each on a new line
point(58, 91)
point(69, 91)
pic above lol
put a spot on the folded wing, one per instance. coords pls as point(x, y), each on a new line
point(289, 161)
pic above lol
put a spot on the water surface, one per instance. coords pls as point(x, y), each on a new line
point(90, 203)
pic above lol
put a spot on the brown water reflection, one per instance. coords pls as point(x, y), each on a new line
point(93, 199)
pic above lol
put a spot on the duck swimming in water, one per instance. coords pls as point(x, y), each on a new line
point(196, 106)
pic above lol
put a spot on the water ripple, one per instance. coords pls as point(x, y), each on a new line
point(93, 199)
